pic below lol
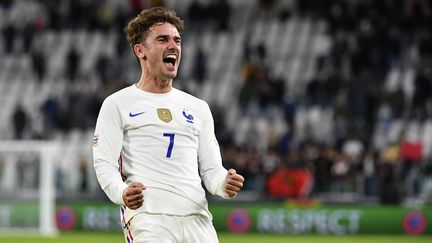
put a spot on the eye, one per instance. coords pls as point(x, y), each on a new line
point(161, 39)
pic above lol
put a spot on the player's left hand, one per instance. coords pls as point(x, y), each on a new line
point(233, 183)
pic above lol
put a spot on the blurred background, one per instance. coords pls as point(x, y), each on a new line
point(314, 102)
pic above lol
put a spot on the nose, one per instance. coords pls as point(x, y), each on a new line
point(172, 45)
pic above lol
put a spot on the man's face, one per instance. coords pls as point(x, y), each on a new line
point(162, 51)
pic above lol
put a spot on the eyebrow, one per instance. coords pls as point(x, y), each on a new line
point(167, 37)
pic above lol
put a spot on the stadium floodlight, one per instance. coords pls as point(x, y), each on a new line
point(14, 193)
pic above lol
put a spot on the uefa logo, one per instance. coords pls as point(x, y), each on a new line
point(414, 223)
point(239, 221)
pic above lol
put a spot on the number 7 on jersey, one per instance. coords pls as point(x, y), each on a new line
point(171, 143)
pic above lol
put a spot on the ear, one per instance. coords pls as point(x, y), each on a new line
point(140, 51)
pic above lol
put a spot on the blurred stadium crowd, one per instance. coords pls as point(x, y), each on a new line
point(311, 99)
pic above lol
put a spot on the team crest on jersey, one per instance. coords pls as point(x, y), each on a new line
point(164, 114)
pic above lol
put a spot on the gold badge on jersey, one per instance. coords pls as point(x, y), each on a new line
point(164, 114)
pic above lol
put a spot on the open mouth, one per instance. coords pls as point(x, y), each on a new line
point(170, 60)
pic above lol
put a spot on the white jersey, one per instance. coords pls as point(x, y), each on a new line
point(166, 142)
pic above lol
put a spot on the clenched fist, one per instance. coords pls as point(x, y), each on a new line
point(133, 196)
point(233, 183)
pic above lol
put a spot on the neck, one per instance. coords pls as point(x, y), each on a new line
point(154, 85)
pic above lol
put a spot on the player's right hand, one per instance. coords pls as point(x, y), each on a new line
point(133, 196)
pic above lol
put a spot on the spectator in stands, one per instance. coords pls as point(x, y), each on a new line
point(83, 171)
point(411, 153)
point(223, 134)
point(215, 14)
point(72, 63)
point(78, 115)
point(287, 139)
point(353, 148)
point(9, 33)
point(252, 75)
point(28, 34)
point(20, 121)
point(200, 67)
point(422, 92)
point(6, 4)
point(102, 66)
point(50, 110)
point(105, 15)
point(322, 169)
point(277, 90)
point(424, 47)
point(222, 12)
point(55, 17)
point(266, 7)
point(39, 63)
point(342, 177)
point(388, 174)
point(159, 185)
point(264, 95)
point(370, 174)
point(94, 103)
point(197, 14)
point(289, 109)
point(396, 99)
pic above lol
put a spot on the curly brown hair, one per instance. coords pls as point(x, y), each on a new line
point(138, 28)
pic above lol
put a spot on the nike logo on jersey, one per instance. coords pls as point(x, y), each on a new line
point(135, 114)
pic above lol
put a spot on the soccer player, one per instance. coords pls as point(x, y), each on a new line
point(154, 144)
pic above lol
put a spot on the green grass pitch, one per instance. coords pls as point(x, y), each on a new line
point(225, 238)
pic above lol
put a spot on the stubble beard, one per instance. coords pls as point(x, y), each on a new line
point(162, 83)
point(166, 80)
